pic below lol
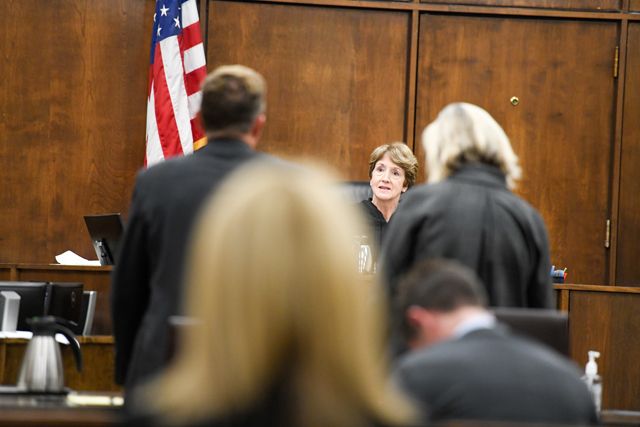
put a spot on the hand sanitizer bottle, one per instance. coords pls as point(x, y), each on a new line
point(593, 380)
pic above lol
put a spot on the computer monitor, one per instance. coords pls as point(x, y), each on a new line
point(65, 300)
point(105, 231)
point(32, 300)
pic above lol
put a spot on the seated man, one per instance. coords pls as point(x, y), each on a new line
point(463, 365)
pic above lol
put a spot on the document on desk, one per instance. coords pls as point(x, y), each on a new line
point(71, 258)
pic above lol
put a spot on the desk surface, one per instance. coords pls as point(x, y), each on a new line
point(614, 417)
point(61, 411)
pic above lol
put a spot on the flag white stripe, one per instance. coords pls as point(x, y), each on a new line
point(189, 13)
point(174, 75)
point(194, 58)
point(194, 104)
point(154, 149)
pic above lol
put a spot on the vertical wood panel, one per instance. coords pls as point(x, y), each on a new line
point(552, 4)
point(609, 323)
point(72, 133)
point(562, 129)
point(336, 77)
point(634, 5)
point(628, 250)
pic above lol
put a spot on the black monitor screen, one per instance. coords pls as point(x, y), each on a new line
point(105, 231)
point(32, 300)
point(65, 300)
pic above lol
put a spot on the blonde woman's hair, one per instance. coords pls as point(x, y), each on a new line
point(465, 133)
point(272, 281)
point(401, 155)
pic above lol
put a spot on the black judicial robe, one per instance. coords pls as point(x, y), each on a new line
point(377, 225)
point(474, 218)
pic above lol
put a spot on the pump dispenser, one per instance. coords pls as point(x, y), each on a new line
point(592, 379)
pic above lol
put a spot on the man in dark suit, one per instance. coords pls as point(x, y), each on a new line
point(146, 287)
point(464, 366)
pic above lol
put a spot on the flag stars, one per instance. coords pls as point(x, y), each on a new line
point(154, 17)
point(164, 10)
point(159, 29)
point(177, 21)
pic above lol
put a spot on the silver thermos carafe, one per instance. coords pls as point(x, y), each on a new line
point(41, 369)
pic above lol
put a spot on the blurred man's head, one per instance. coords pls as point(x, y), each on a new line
point(233, 103)
point(434, 297)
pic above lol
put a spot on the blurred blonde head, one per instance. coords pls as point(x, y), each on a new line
point(465, 133)
point(272, 279)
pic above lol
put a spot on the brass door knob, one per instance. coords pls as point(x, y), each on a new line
point(514, 100)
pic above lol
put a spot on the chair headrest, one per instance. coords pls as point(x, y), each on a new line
point(356, 191)
point(550, 327)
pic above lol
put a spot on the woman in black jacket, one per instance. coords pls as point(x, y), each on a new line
point(392, 170)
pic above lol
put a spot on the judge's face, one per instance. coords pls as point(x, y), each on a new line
point(387, 180)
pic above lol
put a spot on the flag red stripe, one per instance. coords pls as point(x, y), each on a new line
point(191, 35)
point(196, 130)
point(167, 128)
point(193, 80)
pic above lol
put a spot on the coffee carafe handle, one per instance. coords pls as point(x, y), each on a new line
point(73, 342)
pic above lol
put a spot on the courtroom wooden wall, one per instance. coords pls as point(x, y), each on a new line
point(343, 78)
point(628, 266)
point(73, 91)
point(557, 57)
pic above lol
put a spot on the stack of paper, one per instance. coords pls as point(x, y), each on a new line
point(71, 258)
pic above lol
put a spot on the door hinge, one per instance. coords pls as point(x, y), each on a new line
point(607, 238)
point(616, 61)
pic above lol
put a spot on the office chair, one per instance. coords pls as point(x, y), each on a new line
point(356, 191)
point(550, 327)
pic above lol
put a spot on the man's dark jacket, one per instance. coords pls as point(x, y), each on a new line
point(489, 374)
point(146, 286)
point(474, 218)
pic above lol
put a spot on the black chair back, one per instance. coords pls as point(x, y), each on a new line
point(550, 327)
point(356, 191)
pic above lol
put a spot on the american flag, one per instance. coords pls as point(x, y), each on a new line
point(178, 66)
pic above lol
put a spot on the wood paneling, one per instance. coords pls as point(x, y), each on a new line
point(609, 323)
point(551, 4)
point(336, 77)
point(72, 134)
point(628, 250)
point(74, 95)
point(561, 71)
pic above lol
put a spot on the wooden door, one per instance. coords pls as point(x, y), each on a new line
point(562, 128)
point(628, 249)
point(336, 77)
